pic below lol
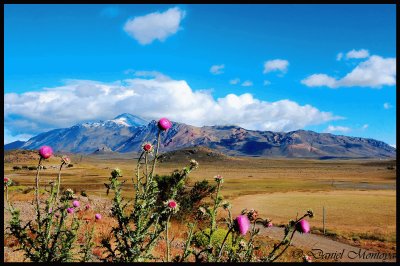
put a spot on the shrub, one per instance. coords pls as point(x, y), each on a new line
point(201, 238)
point(330, 233)
point(32, 168)
point(70, 165)
point(373, 236)
point(16, 167)
point(189, 199)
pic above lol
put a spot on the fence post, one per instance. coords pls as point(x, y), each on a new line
point(323, 219)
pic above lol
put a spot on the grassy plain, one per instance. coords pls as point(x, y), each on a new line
point(359, 195)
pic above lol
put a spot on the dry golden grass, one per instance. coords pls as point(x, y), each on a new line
point(350, 213)
point(243, 175)
point(277, 188)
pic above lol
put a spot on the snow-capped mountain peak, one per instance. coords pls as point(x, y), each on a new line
point(129, 120)
point(123, 120)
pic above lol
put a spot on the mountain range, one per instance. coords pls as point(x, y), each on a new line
point(126, 133)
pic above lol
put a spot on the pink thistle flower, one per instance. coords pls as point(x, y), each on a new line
point(303, 226)
point(219, 178)
point(50, 210)
point(87, 207)
point(70, 210)
point(269, 224)
point(242, 224)
point(65, 160)
point(7, 182)
point(147, 147)
point(164, 124)
point(45, 152)
point(97, 216)
point(172, 205)
point(76, 203)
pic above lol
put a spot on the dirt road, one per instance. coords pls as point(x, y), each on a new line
point(324, 248)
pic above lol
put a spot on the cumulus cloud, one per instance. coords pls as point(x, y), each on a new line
point(374, 73)
point(365, 126)
point(247, 83)
point(339, 56)
point(317, 80)
point(234, 81)
point(357, 54)
point(331, 129)
point(86, 100)
point(387, 106)
point(155, 26)
point(217, 69)
point(276, 65)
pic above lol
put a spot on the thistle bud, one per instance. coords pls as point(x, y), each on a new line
point(116, 173)
point(252, 215)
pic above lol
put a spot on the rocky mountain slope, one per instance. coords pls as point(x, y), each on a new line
point(126, 133)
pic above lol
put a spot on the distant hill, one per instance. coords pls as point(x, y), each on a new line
point(103, 150)
point(200, 154)
point(126, 133)
point(14, 145)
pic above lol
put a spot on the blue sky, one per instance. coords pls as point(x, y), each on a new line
point(326, 68)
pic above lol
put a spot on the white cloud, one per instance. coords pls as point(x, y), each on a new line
point(234, 81)
point(247, 83)
point(387, 105)
point(331, 129)
point(339, 56)
point(8, 137)
point(317, 80)
point(276, 65)
point(152, 74)
point(365, 126)
point(85, 100)
point(374, 73)
point(362, 53)
point(267, 83)
point(155, 26)
point(217, 69)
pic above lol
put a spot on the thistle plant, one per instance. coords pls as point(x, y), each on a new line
point(236, 245)
point(299, 225)
point(53, 234)
point(87, 246)
point(141, 223)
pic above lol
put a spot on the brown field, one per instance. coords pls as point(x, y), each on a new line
point(359, 195)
